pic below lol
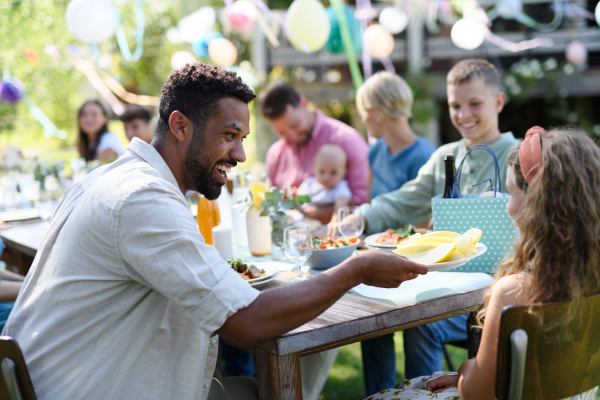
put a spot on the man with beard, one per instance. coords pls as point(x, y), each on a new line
point(124, 298)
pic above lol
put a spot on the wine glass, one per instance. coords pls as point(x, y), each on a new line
point(297, 244)
point(350, 221)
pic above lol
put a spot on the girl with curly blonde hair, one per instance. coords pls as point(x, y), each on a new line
point(554, 185)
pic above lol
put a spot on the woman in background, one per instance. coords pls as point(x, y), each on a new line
point(95, 141)
point(384, 102)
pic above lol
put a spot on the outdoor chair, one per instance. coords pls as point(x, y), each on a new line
point(542, 360)
point(471, 344)
point(15, 383)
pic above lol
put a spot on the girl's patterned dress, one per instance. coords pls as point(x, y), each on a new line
point(414, 389)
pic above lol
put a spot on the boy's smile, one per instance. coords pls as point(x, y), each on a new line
point(474, 111)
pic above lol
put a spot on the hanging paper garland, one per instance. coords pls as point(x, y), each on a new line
point(12, 90)
point(379, 41)
point(576, 53)
point(357, 77)
point(242, 15)
point(140, 23)
point(334, 43)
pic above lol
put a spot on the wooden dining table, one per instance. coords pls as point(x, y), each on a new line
point(351, 319)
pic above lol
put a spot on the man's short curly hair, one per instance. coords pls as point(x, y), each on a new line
point(195, 90)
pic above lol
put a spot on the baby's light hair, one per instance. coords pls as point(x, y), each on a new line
point(329, 153)
point(388, 92)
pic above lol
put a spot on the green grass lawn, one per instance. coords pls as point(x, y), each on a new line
point(345, 380)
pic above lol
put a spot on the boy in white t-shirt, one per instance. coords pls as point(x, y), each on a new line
point(328, 186)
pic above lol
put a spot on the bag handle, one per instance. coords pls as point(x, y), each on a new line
point(498, 181)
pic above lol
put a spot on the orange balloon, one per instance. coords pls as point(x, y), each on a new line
point(378, 41)
point(222, 52)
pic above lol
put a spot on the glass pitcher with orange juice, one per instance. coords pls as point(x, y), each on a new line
point(208, 217)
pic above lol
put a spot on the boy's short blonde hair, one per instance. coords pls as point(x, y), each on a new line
point(466, 70)
point(388, 92)
point(331, 153)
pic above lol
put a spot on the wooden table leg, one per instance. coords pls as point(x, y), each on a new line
point(278, 377)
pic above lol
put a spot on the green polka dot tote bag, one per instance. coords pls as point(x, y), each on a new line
point(486, 213)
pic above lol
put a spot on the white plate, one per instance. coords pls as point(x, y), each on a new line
point(481, 248)
point(371, 241)
point(272, 273)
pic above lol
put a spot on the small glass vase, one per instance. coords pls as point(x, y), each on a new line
point(278, 223)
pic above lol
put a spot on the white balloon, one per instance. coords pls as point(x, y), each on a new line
point(92, 21)
point(181, 58)
point(393, 20)
point(308, 25)
point(173, 35)
point(509, 9)
point(576, 53)
point(468, 33)
point(193, 27)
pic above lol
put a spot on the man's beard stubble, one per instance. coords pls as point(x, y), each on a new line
point(198, 165)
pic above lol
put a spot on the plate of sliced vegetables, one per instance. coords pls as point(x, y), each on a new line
point(391, 238)
point(443, 250)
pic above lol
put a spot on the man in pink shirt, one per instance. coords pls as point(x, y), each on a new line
point(290, 160)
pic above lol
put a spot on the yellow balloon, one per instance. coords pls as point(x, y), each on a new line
point(222, 52)
point(308, 26)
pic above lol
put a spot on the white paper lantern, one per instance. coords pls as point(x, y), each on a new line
point(308, 26)
point(393, 20)
point(92, 21)
point(597, 13)
point(510, 9)
point(193, 27)
point(468, 33)
point(576, 53)
point(181, 58)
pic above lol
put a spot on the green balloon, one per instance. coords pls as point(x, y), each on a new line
point(334, 43)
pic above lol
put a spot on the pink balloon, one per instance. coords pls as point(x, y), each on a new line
point(242, 15)
point(378, 41)
point(222, 52)
point(576, 53)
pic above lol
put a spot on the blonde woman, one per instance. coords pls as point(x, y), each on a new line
point(384, 102)
point(385, 105)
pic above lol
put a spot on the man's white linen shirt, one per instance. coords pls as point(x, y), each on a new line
point(124, 296)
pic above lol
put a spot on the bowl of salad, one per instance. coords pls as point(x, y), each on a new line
point(331, 251)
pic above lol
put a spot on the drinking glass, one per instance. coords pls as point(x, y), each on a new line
point(350, 221)
point(297, 244)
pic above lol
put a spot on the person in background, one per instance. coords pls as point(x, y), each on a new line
point(384, 102)
point(290, 160)
point(95, 141)
point(328, 186)
point(136, 120)
point(474, 101)
point(10, 285)
point(553, 180)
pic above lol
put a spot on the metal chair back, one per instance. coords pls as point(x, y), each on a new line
point(540, 360)
point(15, 383)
